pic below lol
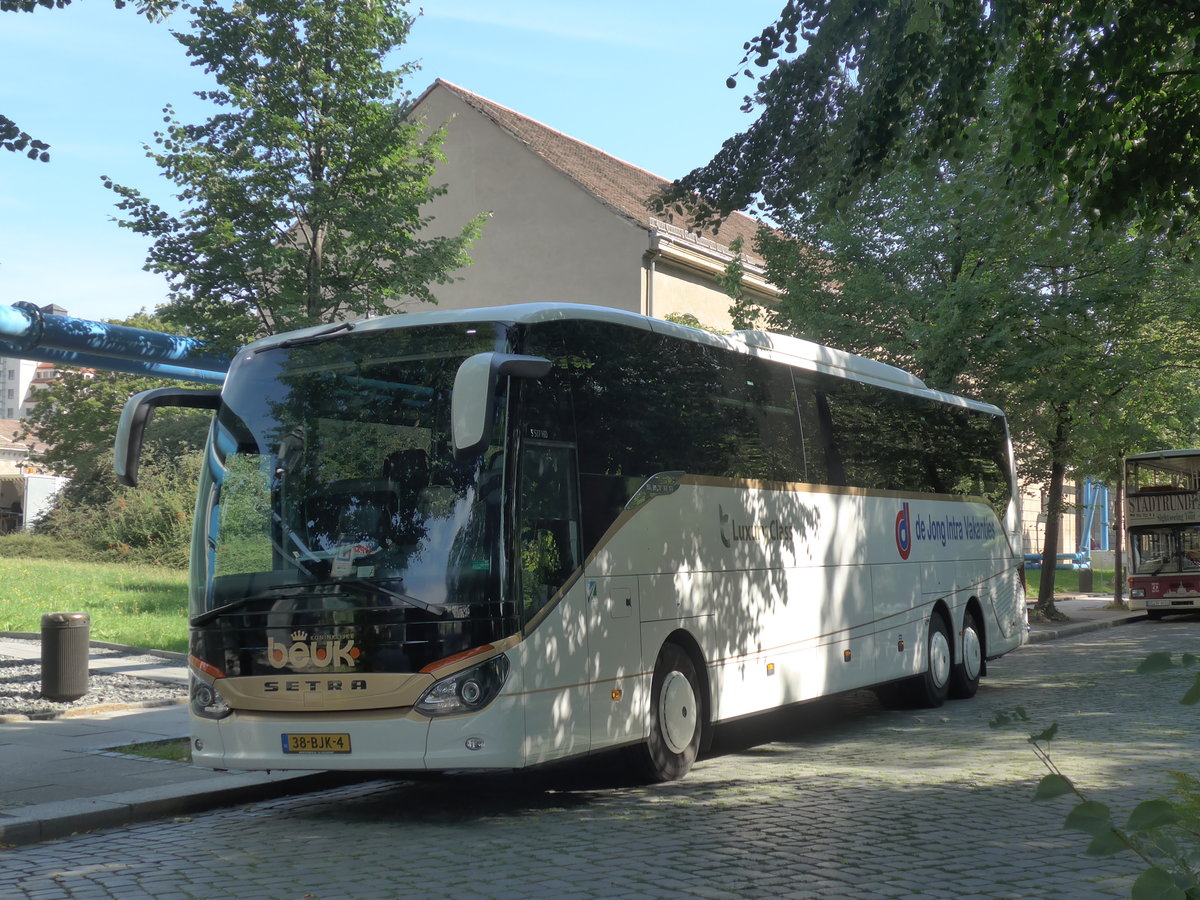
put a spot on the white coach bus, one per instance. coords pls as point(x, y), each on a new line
point(490, 539)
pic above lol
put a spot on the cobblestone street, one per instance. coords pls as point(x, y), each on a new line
point(837, 800)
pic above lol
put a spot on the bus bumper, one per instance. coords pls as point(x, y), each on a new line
point(376, 741)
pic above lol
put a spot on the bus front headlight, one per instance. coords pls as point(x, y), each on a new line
point(467, 691)
point(207, 702)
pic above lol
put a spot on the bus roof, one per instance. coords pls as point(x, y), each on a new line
point(784, 348)
point(1169, 460)
point(1164, 454)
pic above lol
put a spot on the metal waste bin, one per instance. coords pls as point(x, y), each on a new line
point(65, 655)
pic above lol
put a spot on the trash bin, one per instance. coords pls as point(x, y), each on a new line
point(65, 655)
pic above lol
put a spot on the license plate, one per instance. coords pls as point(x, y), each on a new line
point(316, 743)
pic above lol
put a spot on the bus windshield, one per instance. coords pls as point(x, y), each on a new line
point(330, 482)
point(1166, 550)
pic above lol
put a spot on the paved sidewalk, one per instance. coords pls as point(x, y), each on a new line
point(1086, 612)
point(60, 776)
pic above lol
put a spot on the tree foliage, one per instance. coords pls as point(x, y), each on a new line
point(12, 136)
point(1101, 100)
point(1084, 337)
point(76, 418)
point(301, 197)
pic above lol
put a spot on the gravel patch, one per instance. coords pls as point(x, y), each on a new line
point(21, 687)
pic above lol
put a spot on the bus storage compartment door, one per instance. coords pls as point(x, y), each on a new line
point(616, 671)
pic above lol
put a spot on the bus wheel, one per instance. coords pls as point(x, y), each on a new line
point(930, 689)
point(676, 716)
point(964, 679)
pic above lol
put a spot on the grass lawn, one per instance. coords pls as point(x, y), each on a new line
point(174, 749)
point(1066, 581)
point(139, 606)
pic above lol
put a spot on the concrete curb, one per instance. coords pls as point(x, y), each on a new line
point(105, 645)
point(47, 821)
point(98, 709)
point(1068, 629)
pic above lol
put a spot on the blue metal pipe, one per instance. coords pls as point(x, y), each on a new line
point(116, 364)
point(28, 333)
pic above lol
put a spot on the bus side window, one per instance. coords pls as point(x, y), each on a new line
point(816, 453)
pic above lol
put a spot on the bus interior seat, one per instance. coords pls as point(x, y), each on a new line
point(355, 507)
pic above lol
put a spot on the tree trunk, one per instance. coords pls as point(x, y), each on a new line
point(1119, 545)
point(1054, 513)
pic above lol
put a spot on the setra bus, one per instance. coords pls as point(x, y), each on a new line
point(496, 538)
point(1162, 520)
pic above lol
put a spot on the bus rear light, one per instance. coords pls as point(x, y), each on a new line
point(466, 691)
point(207, 702)
point(1136, 593)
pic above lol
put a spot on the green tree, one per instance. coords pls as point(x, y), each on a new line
point(302, 197)
point(12, 136)
point(1083, 339)
point(1104, 365)
point(1101, 100)
point(76, 418)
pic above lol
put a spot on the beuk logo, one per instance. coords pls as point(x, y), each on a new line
point(903, 533)
point(304, 653)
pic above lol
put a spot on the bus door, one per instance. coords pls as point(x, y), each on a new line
point(553, 601)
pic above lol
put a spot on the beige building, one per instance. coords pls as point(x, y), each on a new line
point(568, 222)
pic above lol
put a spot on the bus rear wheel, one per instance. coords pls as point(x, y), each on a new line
point(964, 680)
point(676, 716)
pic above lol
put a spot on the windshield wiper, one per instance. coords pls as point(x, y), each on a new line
point(311, 338)
point(439, 609)
point(271, 593)
point(319, 588)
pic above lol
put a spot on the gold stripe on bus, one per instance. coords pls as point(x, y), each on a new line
point(307, 692)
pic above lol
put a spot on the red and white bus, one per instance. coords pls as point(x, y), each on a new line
point(1162, 519)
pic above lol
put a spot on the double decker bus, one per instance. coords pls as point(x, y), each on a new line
point(496, 538)
point(1162, 520)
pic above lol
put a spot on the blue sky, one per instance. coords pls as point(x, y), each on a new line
point(644, 81)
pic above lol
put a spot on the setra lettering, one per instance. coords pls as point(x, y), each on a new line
point(314, 685)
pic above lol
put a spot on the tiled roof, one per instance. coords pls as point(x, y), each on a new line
point(9, 429)
point(620, 185)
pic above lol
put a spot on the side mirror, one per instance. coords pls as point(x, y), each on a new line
point(472, 405)
point(131, 431)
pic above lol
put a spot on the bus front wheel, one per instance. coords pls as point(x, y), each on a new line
point(676, 716)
